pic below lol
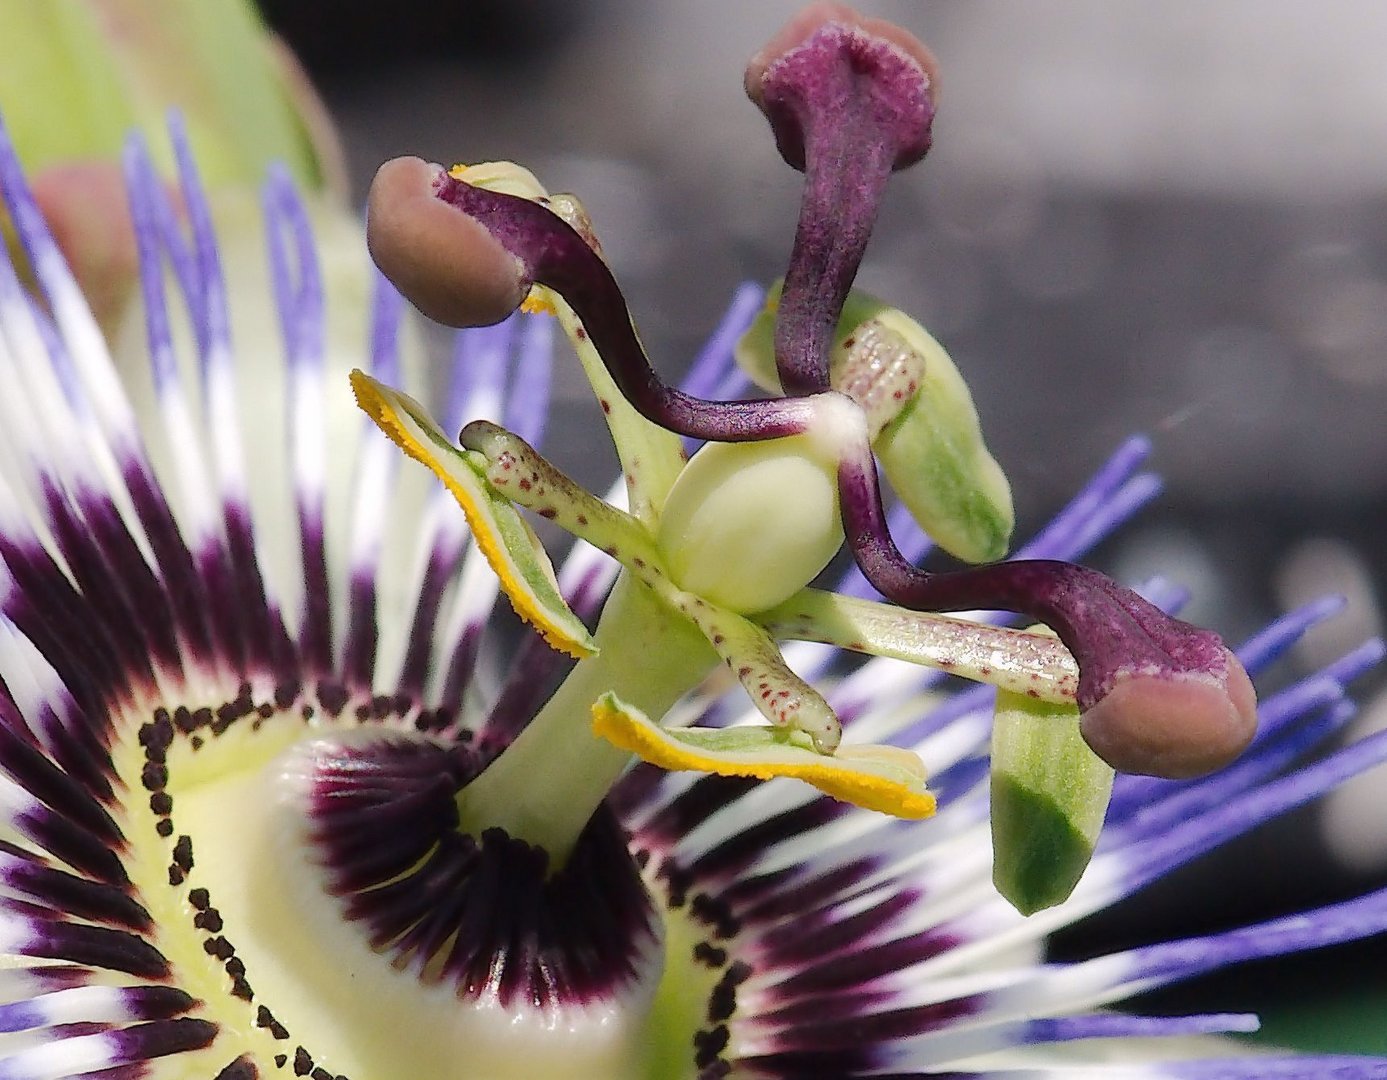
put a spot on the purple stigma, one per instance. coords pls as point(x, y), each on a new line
point(850, 100)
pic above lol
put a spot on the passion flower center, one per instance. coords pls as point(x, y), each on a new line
point(311, 888)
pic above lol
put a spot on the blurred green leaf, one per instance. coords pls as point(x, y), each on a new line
point(77, 75)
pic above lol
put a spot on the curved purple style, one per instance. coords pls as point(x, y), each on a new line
point(553, 254)
point(1159, 695)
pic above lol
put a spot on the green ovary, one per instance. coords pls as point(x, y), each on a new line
point(773, 503)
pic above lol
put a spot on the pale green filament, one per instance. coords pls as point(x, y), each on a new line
point(547, 784)
point(1032, 662)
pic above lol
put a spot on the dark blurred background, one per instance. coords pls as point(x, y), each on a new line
point(1164, 218)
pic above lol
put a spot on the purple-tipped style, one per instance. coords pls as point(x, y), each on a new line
point(451, 268)
point(850, 100)
point(1159, 696)
point(555, 254)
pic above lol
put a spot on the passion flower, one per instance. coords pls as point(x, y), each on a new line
point(319, 821)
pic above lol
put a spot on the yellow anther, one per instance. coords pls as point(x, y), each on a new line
point(883, 778)
point(503, 176)
point(503, 537)
point(537, 302)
